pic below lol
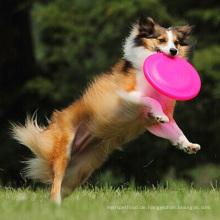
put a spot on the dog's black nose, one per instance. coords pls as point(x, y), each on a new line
point(173, 51)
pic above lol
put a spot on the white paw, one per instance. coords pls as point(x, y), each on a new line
point(161, 118)
point(192, 148)
point(186, 146)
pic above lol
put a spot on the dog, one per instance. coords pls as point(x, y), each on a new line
point(116, 108)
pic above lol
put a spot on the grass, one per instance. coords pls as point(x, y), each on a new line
point(106, 203)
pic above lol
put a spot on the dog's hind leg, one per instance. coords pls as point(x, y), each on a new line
point(75, 176)
point(81, 166)
point(59, 168)
point(82, 161)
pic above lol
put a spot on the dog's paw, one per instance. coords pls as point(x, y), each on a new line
point(192, 148)
point(161, 118)
point(186, 146)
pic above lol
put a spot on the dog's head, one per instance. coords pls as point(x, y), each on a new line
point(148, 37)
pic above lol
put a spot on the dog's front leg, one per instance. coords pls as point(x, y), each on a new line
point(154, 109)
point(172, 132)
point(152, 106)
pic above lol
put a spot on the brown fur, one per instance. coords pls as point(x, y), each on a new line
point(79, 138)
point(110, 120)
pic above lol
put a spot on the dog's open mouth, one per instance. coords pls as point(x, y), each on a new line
point(158, 50)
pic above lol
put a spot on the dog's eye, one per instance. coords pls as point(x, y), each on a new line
point(176, 42)
point(161, 40)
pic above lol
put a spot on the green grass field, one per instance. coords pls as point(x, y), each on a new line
point(106, 203)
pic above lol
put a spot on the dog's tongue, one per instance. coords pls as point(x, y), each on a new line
point(158, 50)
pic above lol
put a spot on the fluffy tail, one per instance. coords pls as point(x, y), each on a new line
point(40, 143)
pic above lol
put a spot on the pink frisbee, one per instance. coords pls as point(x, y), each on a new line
point(172, 76)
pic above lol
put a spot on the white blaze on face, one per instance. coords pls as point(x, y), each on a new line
point(170, 44)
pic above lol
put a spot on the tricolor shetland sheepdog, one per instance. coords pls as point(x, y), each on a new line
point(116, 108)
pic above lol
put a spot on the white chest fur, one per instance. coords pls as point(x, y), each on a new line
point(146, 89)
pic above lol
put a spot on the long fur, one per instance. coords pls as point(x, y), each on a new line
point(110, 113)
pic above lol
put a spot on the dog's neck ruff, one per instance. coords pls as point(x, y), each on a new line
point(135, 54)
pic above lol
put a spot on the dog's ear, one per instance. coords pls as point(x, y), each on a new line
point(184, 32)
point(186, 52)
point(146, 24)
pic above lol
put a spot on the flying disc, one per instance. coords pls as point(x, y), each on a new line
point(172, 76)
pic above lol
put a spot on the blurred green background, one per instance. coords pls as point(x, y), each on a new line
point(50, 50)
